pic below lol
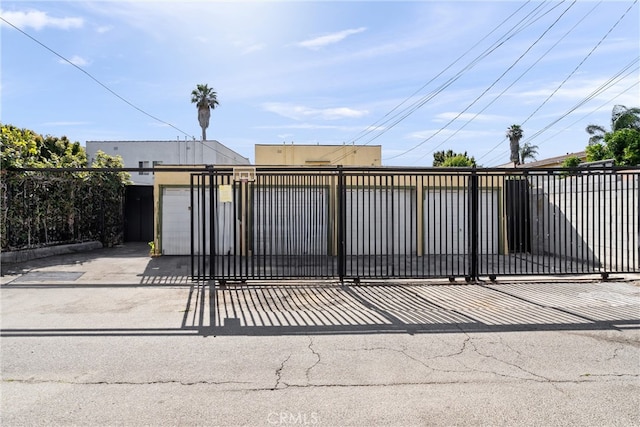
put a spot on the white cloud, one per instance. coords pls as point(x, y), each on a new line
point(75, 60)
point(253, 48)
point(298, 112)
point(244, 47)
point(309, 126)
point(445, 133)
point(319, 42)
point(104, 29)
point(445, 117)
point(38, 20)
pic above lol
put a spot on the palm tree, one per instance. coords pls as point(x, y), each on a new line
point(205, 99)
point(621, 118)
point(625, 118)
point(528, 151)
point(514, 133)
point(597, 133)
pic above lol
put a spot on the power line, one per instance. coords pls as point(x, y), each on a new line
point(203, 143)
point(95, 79)
point(581, 62)
point(372, 127)
point(602, 88)
point(510, 33)
point(514, 82)
point(489, 87)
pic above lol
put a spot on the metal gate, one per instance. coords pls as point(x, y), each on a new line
point(379, 223)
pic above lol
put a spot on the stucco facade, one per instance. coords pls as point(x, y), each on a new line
point(147, 154)
point(318, 155)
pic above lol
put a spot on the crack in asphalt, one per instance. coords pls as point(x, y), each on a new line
point(615, 353)
point(279, 374)
point(536, 377)
point(185, 383)
point(315, 353)
point(614, 377)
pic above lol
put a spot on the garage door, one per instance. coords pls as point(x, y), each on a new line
point(446, 222)
point(290, 221)
point(380, 221)
point(176, 223)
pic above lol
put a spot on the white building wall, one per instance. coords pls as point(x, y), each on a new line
point(595, 218)
point(178, 152)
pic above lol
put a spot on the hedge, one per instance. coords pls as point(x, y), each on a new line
point(46, 208)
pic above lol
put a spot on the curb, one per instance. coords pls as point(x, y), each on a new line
point(29, 254)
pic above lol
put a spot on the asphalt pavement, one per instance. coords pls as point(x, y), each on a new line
point(114, 337)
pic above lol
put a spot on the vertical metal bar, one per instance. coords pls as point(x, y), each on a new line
point(213, 212)
point(440, 195)
point(424, 199)
point(554, 236)
point(616, 216)
point(390, 252)
point(213, 223)
point(341, 224)
point(636, 236)
point(473, 224)
point(203, 219)
point(191, 219)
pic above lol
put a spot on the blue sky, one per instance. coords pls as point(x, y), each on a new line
point(414, 77)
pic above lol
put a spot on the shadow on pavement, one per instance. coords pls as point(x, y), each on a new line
point(246, 309)
point(329, 307)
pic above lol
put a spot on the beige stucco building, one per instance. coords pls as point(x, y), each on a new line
point(318, 155)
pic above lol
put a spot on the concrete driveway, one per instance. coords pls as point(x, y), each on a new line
point(113, 337)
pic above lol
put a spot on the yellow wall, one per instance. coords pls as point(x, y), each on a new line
point(318, 155)
point(377, 179)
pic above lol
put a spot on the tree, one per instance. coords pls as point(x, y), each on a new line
point(571, 162)
point(528, 151)
point(621, 118)
point(451, 159)
point(623, 146)
point(107, 161)
point(25, 148)
point(205, 99)
point(515, 134)
point(52, 207)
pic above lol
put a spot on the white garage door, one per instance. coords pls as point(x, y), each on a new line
point(176, 223)
point(446, 222)
point(380, 221)
point(290, 221)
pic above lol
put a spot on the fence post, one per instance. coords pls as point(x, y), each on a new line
point(192, 228)
point(342, 215)
point(473, 224)
point(213, 222)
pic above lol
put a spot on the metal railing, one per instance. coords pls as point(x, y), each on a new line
point(409, 223)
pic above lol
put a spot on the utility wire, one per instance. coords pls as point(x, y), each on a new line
point(604, 104)
point(371, 128)
point(203, 143)
point(605, 86)
point(529, 19)
point(420, 103)
point(515, 81)
point(490, 86)
point(602, 88)
point(581, 62)
point(95, 79)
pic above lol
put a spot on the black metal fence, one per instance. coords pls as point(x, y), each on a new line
point(378, 223)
